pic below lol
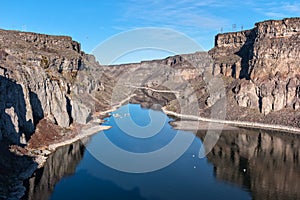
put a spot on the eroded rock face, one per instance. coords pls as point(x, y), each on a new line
point(15, 119)
point(40, 76)
point(14, 169)
point(246, 94)
point(268, 56)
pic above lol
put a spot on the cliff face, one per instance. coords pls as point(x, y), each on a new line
point(42, 76)
point(268, 58)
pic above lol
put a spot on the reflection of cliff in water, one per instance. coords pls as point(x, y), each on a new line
point(13, 170)
point(61, 163)
point(266, 164)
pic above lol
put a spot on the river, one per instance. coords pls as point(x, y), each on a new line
point(140, 160)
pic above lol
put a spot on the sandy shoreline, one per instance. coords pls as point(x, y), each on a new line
point(87, 131)
point(235, 123)
point(84, 133)
point(192, 125)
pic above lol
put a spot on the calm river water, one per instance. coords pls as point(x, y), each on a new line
point(244, 164)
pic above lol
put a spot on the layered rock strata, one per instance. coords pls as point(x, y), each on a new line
point(267, 56)
point(43, 76)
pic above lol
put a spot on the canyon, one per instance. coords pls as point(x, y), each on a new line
point(50, 88)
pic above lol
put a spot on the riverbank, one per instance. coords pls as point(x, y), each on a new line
point(192, 125)
point(41, 148)
point(244, 124)
point(87, 131)
point(218, 124)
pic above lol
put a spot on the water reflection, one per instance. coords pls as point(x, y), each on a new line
point(244, 164)
point(60, 164)
point(13, 170)
point(266, 163)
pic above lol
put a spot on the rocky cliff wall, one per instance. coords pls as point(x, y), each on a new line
point(43, 76)
point(267, 56)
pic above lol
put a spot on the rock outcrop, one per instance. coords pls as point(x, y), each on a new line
point(42, 76)
point(268, 57)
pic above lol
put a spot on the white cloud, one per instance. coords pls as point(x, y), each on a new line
point(294, 7)
point(181, 14)
point(280, 9)
point(275, 14)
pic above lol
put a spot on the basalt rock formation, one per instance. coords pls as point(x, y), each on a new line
point(42, 76)
point(267, 57)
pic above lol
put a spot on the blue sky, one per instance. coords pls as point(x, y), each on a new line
point(92, 22)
